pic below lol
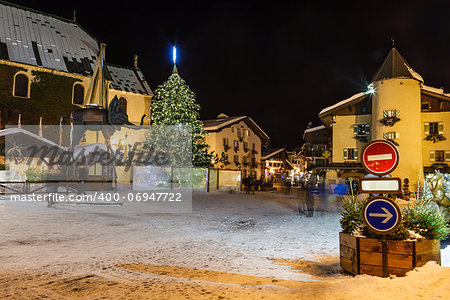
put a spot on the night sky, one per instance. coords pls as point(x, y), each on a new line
point(279, 62)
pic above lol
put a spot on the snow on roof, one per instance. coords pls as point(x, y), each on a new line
point(217, 124)
point(341, 103)
point(439, 91)
point(27, 142)
point(414, 73)
point(271, 153)
point(309, 130)
point(315, 128)
point(433, 89)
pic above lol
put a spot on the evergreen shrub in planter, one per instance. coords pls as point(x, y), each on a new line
point(415, 242)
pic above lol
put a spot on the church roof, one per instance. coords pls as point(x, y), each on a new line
point(395, 66)
point(128, 80)
point(39, 39)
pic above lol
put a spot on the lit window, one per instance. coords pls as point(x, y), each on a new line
point(434, 128)
point(123, 104)
point(21, 86)
point(439, 156)
point(391, 135)
point(391, 113)
point(361, 129)
point(78, 94)
point(425, 106)
point(350, 153)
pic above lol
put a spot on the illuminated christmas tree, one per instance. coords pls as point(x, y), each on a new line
point(175, 104)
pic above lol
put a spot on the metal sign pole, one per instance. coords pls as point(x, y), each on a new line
point(385, 255)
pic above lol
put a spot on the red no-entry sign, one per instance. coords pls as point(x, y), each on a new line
point(380, 157)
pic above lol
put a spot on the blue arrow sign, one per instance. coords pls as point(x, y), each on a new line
point(382, 215)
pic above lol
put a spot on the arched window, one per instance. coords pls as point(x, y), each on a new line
point(123, 104)
point(78, 94)
point(21, 86)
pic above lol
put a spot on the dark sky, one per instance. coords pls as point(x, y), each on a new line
point(279, 62)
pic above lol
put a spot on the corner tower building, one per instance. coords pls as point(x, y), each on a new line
point(399, 107)
point(396, 114)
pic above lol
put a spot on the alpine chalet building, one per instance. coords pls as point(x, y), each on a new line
point(397, 106)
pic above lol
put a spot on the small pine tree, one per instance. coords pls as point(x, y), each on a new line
point(174, 104)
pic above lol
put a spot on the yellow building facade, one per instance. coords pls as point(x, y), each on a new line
point(238, 142)
point(399, 107)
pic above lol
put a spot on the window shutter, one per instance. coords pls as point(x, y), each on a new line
point(432, 155)
point(367, 129)
point(355, 129)
point(385, 135)
point(345, 154)
point(427, 128)
point(355, 153)
point(447, 155)
point(397, 135)
point(441, 127)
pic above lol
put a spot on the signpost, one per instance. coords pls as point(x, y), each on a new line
point(381, 214)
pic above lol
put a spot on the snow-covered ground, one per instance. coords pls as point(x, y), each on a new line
point(92, 251)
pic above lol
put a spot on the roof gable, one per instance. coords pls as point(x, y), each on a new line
point(219, 124)
point(395, 66)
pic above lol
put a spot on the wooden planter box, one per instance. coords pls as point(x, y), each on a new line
point(360, 255)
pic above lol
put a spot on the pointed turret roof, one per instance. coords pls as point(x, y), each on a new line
point(395, 66)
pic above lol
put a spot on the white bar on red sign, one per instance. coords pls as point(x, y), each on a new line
point(380, 185)
point(379, 157)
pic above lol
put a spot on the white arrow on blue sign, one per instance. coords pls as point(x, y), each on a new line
point(382, 215)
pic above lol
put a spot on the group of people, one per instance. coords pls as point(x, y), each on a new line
point(251, 184)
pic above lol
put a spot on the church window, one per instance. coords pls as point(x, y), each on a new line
point(78, 94)
point(21, 86)
point(123, 104)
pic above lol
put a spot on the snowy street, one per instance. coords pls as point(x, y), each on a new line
point(231, 245)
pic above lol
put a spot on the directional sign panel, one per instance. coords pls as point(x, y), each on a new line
point(382, 215)
point(380, 185)
point(380, 157)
